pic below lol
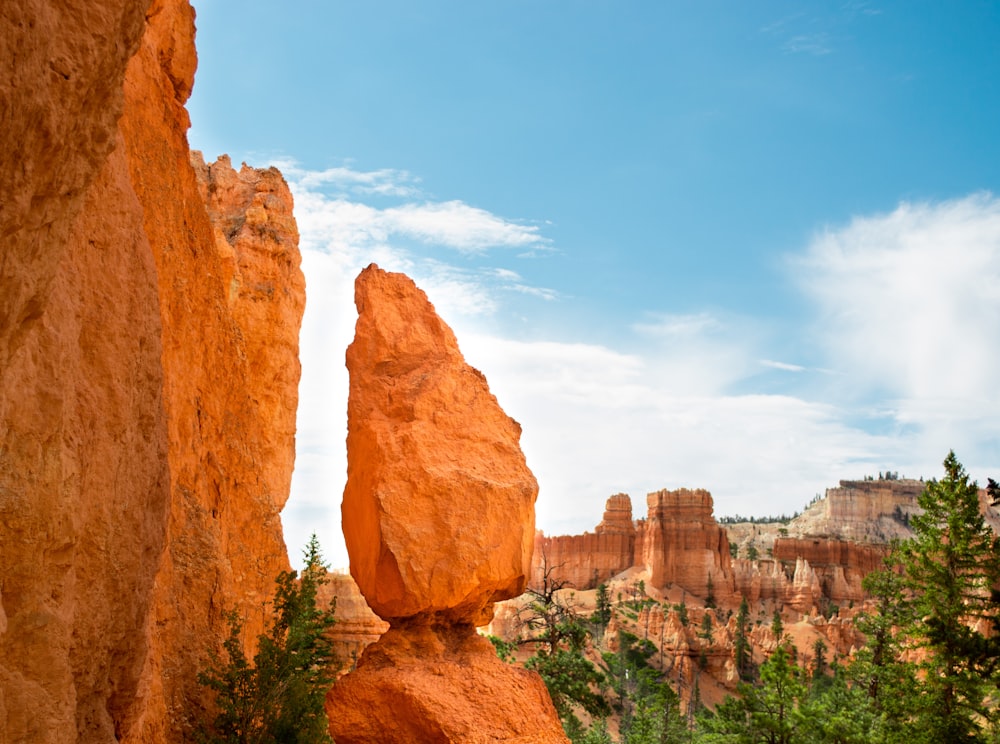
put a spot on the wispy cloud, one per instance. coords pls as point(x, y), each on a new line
point(345, 218)
point(383, 182)
point(675, 326)
point(784, 366)
point(818, 44)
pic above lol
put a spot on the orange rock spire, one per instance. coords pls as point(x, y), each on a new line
point(439, 506)
point(439, 521)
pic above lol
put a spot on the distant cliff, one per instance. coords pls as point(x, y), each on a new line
point(813, 562)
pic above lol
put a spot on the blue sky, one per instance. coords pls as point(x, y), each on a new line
point(749, 247)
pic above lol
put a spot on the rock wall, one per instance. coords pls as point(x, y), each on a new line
point(357, 627)
point(584, 561)
point(679, 543)
point(148, 375)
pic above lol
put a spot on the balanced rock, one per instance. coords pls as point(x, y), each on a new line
point(439, 521)
point(438, 510)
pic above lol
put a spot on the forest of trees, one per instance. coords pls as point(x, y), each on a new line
point(928, 674)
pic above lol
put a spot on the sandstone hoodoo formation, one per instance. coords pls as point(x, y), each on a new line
point(148, 378)
point(813, 563)
point(678, 543)
point(438, 516)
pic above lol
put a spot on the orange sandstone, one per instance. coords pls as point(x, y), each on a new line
point(147, 379)
point(438, 510)
point(438, 514)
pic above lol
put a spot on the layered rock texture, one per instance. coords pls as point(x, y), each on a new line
point(814, 562)
point(148, 377)
point(438, 515)
point(679, 543)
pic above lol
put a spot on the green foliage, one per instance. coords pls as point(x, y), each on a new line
point(741, 644)
point(752, 552)
point(505, 649)
point(706, 627)
point(765, 713)
point(709, 593)
point(777, 627)
point(280, 696)
point(836, 712)
point(682, 613)
point(572, 680)
point(950, 569)
point(602, 612)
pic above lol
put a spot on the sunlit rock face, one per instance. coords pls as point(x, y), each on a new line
point(438, 516)
point(681, 543)
point(438, 511)
point(678, 543)
point(148, 378)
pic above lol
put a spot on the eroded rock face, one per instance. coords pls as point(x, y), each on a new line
point(438, 513)
point(438, 510)
point(357, 627)
point(147, 386)
point(584, 561)
point(679, 543)
point(440, 683)
point(682, 544)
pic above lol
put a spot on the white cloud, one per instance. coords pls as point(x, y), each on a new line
point(459, 226)
point(909, 312)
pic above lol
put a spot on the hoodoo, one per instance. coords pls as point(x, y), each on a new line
point(438, 516)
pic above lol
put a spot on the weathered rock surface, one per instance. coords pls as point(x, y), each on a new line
point(681, 543)
point(357, 627)
point(147, 388)
point(584, 561)
point(438, 513)
point(678, 543)
point(430, 683)
point(438, 510)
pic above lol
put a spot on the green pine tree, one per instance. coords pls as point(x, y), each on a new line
point(280, 696)
point(951, 567)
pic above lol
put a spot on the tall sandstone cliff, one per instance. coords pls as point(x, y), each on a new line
point(148, 375)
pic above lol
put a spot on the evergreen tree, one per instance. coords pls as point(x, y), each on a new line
point(764, 713)
point(741, 645)
point(777, 627)
point(602, 612)
point(560, 637)
point(706, 627)
point(819, 659)
point(682, 613)
point(951, 567)
point(280, 697)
